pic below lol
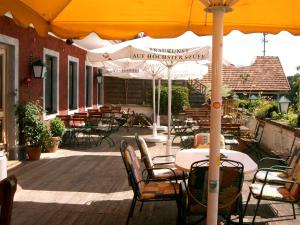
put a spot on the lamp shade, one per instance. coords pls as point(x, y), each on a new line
point(284, 104)
point(235, 96)
point(253, 97)
point(39, 69)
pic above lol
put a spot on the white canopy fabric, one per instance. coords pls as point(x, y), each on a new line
point(137, 69)
point(146, 48)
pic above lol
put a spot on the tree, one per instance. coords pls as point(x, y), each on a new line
point(294, 96)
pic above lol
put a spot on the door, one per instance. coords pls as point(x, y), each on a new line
point(3, 69)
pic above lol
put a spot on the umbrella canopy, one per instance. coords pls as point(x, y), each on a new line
point(113, 19)
point(182, 48)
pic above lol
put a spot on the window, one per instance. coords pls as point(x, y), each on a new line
point(51, 83)
point(73, 85)
point(99, 89)
point(88, 86)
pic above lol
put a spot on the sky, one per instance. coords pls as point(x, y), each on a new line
point(241, 49)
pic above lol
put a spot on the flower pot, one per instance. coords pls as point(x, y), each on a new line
point(54, 147)
point(34, 153)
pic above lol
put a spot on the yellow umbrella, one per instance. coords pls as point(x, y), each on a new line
point(123, 19)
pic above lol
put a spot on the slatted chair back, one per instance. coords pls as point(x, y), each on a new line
point(66, 119)
point(202, 140)
point(116, 109)
point(145, 155)
point(8, 187)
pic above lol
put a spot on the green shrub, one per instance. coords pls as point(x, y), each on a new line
point(293, 119)
point(265, 109)
point(180, 99)
point(275, 115)
point(32, 126)
point(242, 103)
point(57, 127)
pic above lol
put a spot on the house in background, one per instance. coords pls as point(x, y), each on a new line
point(265, 76)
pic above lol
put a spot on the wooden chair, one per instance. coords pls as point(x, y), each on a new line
point(145, 190)
point(283, 168)
point(253, 143)
point(193, 197)
point(8, 187)
point(182, 131)
point(287, 190)
point(164, 169)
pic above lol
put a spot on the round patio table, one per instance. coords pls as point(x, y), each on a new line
point(186, 157)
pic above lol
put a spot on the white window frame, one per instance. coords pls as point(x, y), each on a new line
point(55, 54)
point(75, 60)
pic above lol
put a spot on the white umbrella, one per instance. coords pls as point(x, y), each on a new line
point(152, 70)
point(168, 51)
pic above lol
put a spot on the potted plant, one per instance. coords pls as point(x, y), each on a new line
point(57, 129)
point(33, 129)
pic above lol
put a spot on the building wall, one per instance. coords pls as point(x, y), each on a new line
point(30, 44)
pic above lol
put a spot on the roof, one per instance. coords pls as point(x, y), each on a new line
point(264, 75)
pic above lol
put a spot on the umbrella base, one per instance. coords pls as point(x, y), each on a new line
point(160, 128)
point(155, 139)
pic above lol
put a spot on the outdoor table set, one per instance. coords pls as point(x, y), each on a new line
point(86, 130)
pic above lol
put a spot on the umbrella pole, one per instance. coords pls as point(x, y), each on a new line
point(215, 121)
point(158, 103)
point(154, 116)
point(169, 142)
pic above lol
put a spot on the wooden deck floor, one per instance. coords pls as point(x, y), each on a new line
point(89, 187)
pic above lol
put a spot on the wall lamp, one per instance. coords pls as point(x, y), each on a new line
point(38, 68)
point(284, 104)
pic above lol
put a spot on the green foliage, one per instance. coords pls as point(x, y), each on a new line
point(57, 127)
point(294, 82)
point(265, 108)
point(293, 119)
point(275, 115)
point(32, 126)
point(243, 103)
point(180, 99)
point(250, 105)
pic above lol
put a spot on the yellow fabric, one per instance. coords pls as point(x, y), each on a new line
point(123, 19)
